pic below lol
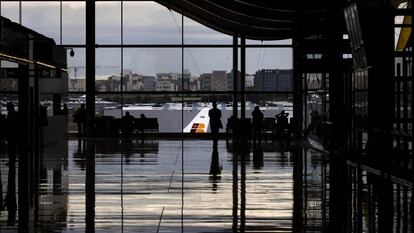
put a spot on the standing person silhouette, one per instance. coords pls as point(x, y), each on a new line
point(215, 122)
point(79, 118)
point(257, 124)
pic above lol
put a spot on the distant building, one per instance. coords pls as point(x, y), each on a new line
point(273, 80)
point(219, 81)
point(249, 82)
point(205, 82)
point(166, 81)
point(195, 84)
point(102, 85)
point(179, 82)
point(77, 84)
point(134, 82)
point(114, 83)
point(230, 80)
point(149, 83)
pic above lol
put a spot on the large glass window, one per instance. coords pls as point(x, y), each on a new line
point(10, 10)
point(152, 69)
point(147, 22)
point(108, 70)
point(73, 22)
point(196, 33)
point(208, 69)
point(108, 22)
point(34, 16)
point(269, 69)
point(149, 57)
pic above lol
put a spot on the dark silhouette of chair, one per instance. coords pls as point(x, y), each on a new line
point(243, 129)
point(102, 125)
point(144, 125)
point(115, 126)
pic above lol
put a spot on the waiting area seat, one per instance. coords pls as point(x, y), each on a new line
point(146, 125)
point(111, 126)
point(272, 128)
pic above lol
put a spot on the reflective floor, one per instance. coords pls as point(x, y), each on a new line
point(189, 186)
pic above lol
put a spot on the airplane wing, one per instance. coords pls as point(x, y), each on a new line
point(200, 122)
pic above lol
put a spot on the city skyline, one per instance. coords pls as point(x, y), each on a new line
point(215, 80)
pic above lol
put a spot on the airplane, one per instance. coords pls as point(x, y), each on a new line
point(200, 122)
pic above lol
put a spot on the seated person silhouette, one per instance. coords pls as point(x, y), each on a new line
point(257, 123)
point(127, 124)
point(215, 122)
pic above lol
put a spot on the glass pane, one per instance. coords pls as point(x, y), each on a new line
point(166, 109)
point(35, 18)
point(196, 108)
point(150, 23)
point(10, 10)
point(209, 69)
point(73, 22)
point(152, 69)
point(196, 33)
point(76, 67)
point(108, 22)
point(108, 70)
point(271, 68)
point(274, 122)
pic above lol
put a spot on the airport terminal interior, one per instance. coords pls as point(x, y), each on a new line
point(206, 116)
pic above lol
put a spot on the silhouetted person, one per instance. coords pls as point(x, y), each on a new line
point(143, 116)
point(315, 121)
point(215, 122)
point(215, 168)
point(127, 124)
point(282, 123)
point(257, 124)
point(12, 139)
point(79, 117)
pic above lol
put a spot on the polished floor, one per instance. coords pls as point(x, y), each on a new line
point(190, 186)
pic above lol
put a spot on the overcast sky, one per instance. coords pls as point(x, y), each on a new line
point(144, 23)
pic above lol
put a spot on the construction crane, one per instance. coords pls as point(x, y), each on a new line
point(76, 68)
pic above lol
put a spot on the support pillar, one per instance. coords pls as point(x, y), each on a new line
point(242, 77)
point(90, 64)
point(235, 75)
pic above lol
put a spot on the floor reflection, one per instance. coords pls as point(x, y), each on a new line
point(191, 186)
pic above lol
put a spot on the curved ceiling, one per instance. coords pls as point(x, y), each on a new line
point(255, 19)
